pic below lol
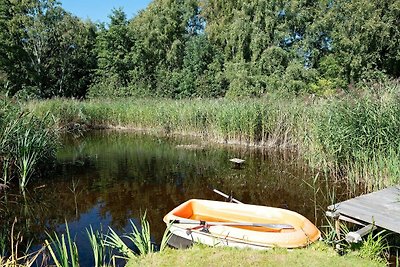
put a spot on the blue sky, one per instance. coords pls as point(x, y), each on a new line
point(98, 10)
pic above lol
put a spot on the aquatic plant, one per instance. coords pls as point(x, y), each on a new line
point(375, 247)
point(141, 239)
point(114, 241)
point(166, 237)
point(375, 172)
point(11, 257)
point(63, 249)
point(97, 243)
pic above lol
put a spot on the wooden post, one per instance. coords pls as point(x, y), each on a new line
point(337, 228)
point(335, 215)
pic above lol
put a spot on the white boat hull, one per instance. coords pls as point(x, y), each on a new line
point(210, 240)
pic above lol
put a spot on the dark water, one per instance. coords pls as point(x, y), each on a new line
point(108, 178)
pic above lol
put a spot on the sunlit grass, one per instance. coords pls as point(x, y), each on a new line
point(316, 255)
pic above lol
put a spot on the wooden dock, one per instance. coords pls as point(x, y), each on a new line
point(381, 208)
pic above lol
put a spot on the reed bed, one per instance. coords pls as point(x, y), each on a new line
point(348, 135)
point(251, 121)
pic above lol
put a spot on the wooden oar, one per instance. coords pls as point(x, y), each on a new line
point(206, 224)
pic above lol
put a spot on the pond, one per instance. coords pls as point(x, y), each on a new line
point(107, 178)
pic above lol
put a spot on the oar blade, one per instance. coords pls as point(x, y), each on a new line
point(274, 225)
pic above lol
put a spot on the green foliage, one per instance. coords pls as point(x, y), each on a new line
point(375, 247)
point(114, 241)
point(112, 48)
point(140, 238)
point(365, 36)
point(183, 49)
point(350, 129)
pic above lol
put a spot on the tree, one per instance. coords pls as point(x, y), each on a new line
point(113, 46)
point(161, 33)
point(46, 51)
point(365, 37)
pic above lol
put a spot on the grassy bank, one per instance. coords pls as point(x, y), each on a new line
point(109, 247)
point(317, 255)
point(352, 136)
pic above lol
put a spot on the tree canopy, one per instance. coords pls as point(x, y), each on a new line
point(199, 48)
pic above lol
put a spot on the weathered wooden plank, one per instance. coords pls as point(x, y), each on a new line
point(381, 208)
point(388, 196)
point(375, 209)
point(360, 209)
point(381, 221)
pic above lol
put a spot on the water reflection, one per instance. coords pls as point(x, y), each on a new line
point(106, 178)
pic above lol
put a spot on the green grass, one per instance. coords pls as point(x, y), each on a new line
point(317, 255)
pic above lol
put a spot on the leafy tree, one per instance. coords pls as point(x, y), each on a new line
point(199, 48)
point(46, 51)
point(161, 33)
point(113, 46)
point(365, 36)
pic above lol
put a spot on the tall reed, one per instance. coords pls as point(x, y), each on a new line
point(26, 143)
point(15, 257)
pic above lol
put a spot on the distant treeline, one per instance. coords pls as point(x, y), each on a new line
point(199, 48)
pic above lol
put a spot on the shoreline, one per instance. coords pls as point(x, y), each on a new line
point(266, 145)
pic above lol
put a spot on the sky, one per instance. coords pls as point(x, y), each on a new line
point(99, 10)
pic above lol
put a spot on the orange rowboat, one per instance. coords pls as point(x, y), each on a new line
point(240, 225)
